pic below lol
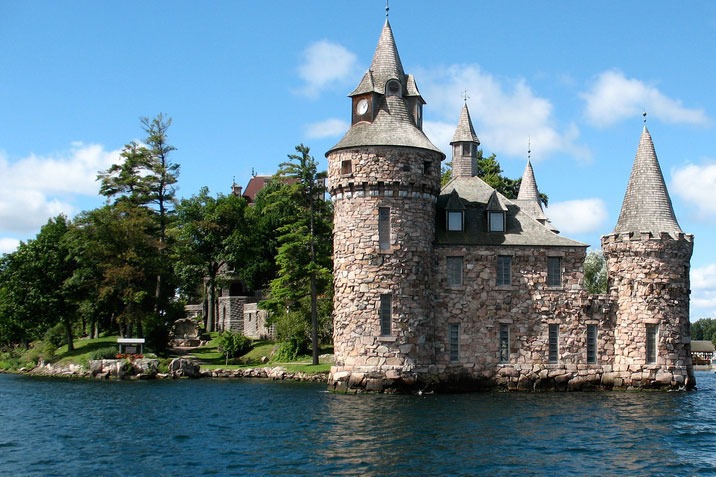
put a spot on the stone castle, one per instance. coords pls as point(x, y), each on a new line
point(459, 288)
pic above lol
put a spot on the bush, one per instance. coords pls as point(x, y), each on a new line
point(41, 352)
point(108, 352)
point(56, 335)
point(288, 351)
point(233, 345)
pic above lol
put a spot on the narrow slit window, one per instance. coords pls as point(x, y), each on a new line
point(652, 332)
point(386, 314)
point(504, 270)
point(454, 341)
point(504, 343)
point(454, 270)
point(384, 227)
point(553, 343)
point(554, 271)
point(592, 344)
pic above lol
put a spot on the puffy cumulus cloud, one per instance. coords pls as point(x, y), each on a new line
point(35, 188)
point(703, 291)
point(8, 245)
point(578, 216)
point(695, 183)
point(614, 97)
point(327, 128)
point(325, 64)
point(505, 112)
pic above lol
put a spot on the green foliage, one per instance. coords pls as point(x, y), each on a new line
point(233, 345)
point(595, 273)
point(288, 351)
point(305, 247)
point(108, 352)
point(704, 329)
point(56, 335)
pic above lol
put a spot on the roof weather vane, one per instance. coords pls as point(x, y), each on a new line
point(529, 148)
point(465, 96)
point(387, 8)
point(644, 114)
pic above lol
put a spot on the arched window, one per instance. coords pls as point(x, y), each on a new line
point(393, 88)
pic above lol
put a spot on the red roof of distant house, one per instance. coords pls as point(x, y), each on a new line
point(256, 183)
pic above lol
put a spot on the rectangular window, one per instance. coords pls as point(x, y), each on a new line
point(454, 220)
point(386, 312)
point(454, 341)
point(553, 343)
point(554, 271)
point(504, 270)
point(384, 227)
point(346, 167)
point(652, 332)
point(426, 167)
point(504, 344)
point(592, 344)
point(454, 270)
point(497, 221)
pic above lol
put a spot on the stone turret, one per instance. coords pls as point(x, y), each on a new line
point(384, 177)
point(648, 259)
point(464, 146)
point(528, 197)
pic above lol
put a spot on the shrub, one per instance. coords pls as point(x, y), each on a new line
point(233, 345)
point(56, 335)
point(108, 352)
point(287, 351)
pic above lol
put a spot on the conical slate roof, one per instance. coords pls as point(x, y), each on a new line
point(386, 65)
point(465, 132)
point(528, 196)
point(647, 205)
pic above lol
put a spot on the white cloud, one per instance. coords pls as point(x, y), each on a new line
point(505, 113)
point(614, 97)
point(703, 291)
point(8, 245)
point(36, 188)
point(325, 64)
point(695, 184)
point(327, 128)
point(578, 216)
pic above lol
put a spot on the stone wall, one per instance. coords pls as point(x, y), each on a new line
point(649, 285)
point(406, 181)
point(255, 323)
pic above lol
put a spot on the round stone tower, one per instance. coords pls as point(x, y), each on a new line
point(384, 179)
point(648, 259)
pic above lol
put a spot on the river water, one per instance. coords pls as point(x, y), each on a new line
point(62, 427)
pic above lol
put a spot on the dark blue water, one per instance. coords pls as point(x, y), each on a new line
point(252, 427)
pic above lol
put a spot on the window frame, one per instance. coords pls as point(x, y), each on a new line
point(503, 276)
point(454, 342)
point(553, 343)
point(503, 343)
point(454, 277)
point(449, 223)
point(491, 221)
point(386, 314)
point(384, 229)
point(652, 343)
point(346, 167)
point(592, 337)
point(554, 275)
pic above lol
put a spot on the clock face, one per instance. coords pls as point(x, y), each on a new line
point(362, 107)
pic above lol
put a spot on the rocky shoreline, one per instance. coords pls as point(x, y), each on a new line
point(147, 369)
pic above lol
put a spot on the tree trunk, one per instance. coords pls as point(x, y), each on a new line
point(68, 332)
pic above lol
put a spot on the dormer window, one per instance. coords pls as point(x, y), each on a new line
point(496, 221)
point(393, 88)
point(455, 220)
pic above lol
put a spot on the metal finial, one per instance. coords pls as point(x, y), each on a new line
point(387, 9)
point(465, 96)
point(253, 172)
point(644, 114)
point(529, 148)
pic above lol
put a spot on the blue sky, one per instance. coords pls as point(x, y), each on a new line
point(245, 82)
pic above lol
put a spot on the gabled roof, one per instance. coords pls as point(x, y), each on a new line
point(647, 205)
point(465, 132)
point(256, 183)
point(521, 228)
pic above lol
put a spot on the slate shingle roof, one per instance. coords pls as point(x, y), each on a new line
point(528, 196)
point(647, 205)
point(475, 194)
point(465, 132)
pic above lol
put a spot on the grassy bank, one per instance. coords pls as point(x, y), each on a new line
point(208, 356)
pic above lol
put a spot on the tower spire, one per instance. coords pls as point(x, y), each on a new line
point(647, 205)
